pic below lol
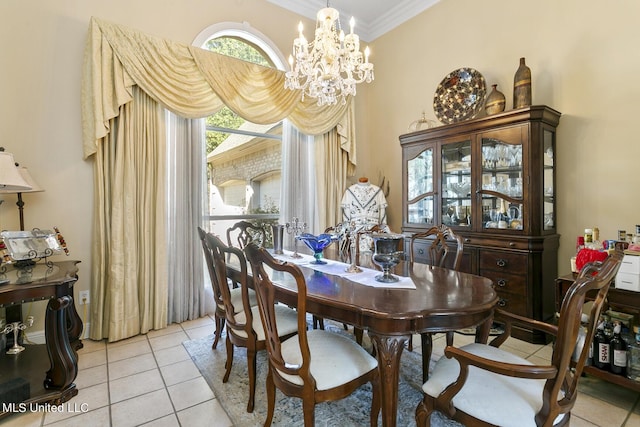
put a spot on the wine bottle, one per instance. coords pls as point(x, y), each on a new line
point(618, 352)
point(601, 348)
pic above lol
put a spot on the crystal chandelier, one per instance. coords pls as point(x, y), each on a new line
point(329, 67)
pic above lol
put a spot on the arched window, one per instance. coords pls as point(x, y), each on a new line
point(244, 159)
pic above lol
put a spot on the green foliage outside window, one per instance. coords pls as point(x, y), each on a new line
point(225, 118)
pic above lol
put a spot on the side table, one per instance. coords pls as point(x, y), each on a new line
point(617, 299)
point(50, 382)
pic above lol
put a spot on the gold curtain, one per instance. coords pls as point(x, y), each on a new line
point(335, 152)
point(187, 80)
point(129, 280)
point(127, 144)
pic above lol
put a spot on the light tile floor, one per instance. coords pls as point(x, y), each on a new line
point(150, 380)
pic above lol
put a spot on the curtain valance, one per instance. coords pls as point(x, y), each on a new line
point(189, 81)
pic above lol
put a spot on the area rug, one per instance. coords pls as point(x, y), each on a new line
point(351, 411)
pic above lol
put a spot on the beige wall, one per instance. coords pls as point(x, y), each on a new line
point(584, 63)
point(41, 48)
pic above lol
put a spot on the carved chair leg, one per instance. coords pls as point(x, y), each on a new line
point(423, 413)
point(359, 333)
point(308, 408)
point(318, 322)
point(252, 366)
point(219, 326)
point(271, 398)
point(376, 401)
point(427, 348)
point(229, 362)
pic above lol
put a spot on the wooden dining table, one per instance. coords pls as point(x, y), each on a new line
point(443, 300)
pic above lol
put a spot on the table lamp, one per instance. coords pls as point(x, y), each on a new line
point(34, 188)
point(11, 180)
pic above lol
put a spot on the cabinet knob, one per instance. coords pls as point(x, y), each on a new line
point(502, 283)
point(501, 262)
point(421, 251)
point(467, 240)
point(512, 244)
point(502, 302)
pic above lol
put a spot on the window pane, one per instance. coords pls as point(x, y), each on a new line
point(244, 159)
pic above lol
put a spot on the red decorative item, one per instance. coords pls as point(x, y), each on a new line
point(586, 256)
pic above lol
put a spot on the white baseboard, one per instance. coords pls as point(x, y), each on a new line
point(38, 337)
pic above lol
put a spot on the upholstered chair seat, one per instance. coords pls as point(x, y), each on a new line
point(335, 360)
point(286, 319)
point(485, 393)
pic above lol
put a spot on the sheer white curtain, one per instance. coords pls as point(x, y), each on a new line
point(298, 197)
point(188, 296)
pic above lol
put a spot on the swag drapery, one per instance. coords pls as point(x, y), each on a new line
point(128, 78)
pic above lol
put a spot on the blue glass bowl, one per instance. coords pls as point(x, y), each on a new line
point(317, 244)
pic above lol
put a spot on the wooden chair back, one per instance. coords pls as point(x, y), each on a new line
point(441, 253)
point(593, 277)
point(293, 374)
point(259, 258)
point(242, 233)
point(211, 268)
point(219, 313)
point(221, 255)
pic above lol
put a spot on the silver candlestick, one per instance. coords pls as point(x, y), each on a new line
point(354, 242)
point(295, 227)
point(16, 327)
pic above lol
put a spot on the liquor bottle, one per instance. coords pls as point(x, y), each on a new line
point(633, 357)
point(601, 348)
point(618, 352)
point(596, 244)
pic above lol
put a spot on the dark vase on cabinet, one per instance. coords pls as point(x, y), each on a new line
point(492, 180)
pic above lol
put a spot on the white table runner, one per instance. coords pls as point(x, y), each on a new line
point(337, 268)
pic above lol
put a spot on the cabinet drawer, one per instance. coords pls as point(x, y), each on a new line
point(503, 261)
point(512, 303)
point(507, 282)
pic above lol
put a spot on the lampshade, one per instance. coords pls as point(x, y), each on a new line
point(24, 173)
point(11, 181)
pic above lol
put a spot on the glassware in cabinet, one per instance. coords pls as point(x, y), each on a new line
point(502, 183)
point(420, 192)
point(456, 184)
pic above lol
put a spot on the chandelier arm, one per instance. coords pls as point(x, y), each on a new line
point(328, 68)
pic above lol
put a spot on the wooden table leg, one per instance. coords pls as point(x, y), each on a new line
point(74, 324)
point(388, 351)
point(64, 365)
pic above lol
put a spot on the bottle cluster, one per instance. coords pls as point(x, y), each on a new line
point(614, 351)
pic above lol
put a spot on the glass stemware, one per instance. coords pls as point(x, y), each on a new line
point(317, 244)
point(386, 254)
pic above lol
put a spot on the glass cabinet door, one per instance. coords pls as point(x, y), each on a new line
point(548, 183)
point(456, 184)
point(502, 186)
point(420, 188)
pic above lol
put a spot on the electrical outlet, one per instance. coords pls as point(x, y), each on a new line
point(83, 297)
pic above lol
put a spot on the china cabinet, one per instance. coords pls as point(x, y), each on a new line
point(492, 180)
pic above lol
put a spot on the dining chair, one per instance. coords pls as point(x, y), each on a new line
point(315, 365)
point(242, 233)
point(442, 242)
point(482, 384)
point(218, 315)
point(236, 293)
point(244, 328)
